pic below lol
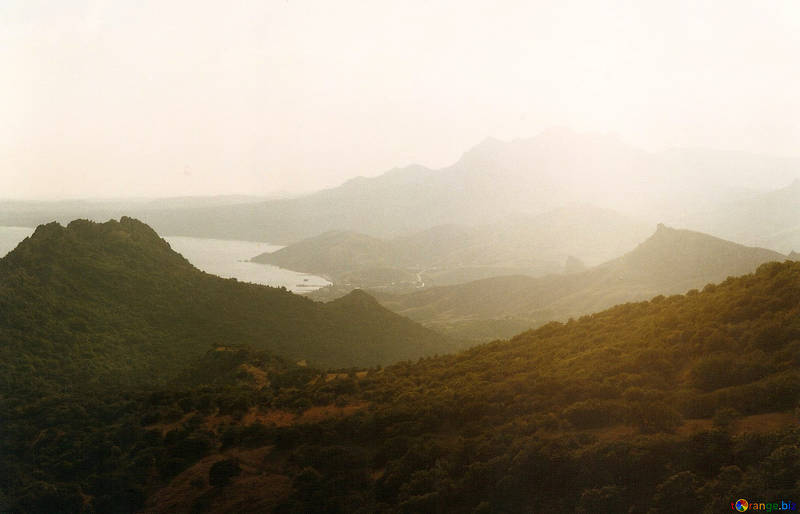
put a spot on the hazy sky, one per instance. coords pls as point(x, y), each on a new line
point(178, 98)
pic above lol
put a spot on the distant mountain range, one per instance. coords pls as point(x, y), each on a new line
point(101, 296)
point(451, 254)
point(767, 219)
point(130, 381)
point(669, 262)
point(490, 182)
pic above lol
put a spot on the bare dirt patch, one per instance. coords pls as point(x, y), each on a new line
point(272, 417)
point(165, 428)
point(333, 376)
point(259, 375)
point(321, 413)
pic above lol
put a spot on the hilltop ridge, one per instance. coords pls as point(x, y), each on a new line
point(451, 254)
point(114, 297)
point(129, 240)
point(670, 261)
point(629, 409)
point(127, 384)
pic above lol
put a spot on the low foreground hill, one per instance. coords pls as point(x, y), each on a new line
point(670, 261)
point(680, 403)
point(112, 303)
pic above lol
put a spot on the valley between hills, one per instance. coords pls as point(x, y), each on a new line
point(134, 382)
point(409, 257)
point(493, 342)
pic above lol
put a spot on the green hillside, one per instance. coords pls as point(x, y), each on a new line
point(681, 402)
point(675, 403)
point(113, 303)
point(670, 261)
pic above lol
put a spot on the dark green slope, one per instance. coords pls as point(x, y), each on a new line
point(107, 302)
point(682, 402)
point(670, 261)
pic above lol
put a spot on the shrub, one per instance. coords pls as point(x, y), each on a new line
point(594, 414)
point(655, 417)
point(223, 471)
point(725, 417)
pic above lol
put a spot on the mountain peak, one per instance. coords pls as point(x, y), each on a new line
point(670, 248)
point(410, 170)
point(665, 234)
point(574, 265)
point(128, 241)
point(489, 148)
point(83, 228)
point(356, 297)
point(47, 230)
point(664, 229)
point(489, 142)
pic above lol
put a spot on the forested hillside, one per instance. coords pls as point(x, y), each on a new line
point(670, 261)
point(681, 402)
point(112, 303)
point(407, 257)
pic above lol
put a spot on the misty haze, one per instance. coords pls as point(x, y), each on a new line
point(415, 257)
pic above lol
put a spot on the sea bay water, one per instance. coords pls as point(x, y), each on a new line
point(227, 259)
point(10, 237)
point(230, 259)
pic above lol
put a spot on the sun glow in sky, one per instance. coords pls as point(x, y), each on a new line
point(189, 97)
